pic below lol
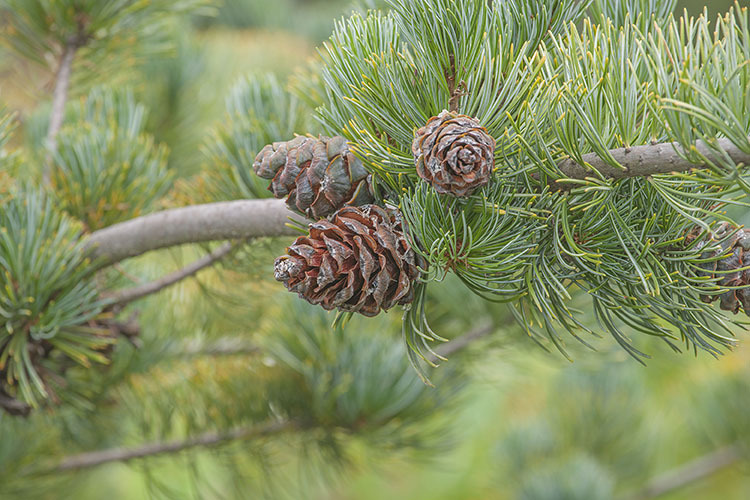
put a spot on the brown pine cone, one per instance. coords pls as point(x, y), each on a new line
point(728, 271)
point(357, 261)
point(317, 175)
point(454, 154)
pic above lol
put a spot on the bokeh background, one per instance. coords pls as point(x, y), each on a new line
point(524, 423)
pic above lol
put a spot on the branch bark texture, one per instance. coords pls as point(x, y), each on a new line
point(648, 160)
point(233, 220)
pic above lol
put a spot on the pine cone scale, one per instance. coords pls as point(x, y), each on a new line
point(728, 271)
point(357, 261)
point(316, 175)
point(338, 251)
point(454, 154)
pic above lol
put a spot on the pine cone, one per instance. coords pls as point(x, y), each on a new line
point(357, 261)
point(454, 154)
point(728, 271)
point(318, 176)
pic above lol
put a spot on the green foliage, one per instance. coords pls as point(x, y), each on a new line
point(249, 14)
point(590, 460)
point(21, 445)
point(641, 13)
point(37, 29)
point(332, 389)
point(8, 159)
point(106, 169)
point(355, 380)
point(7, 126)
point(259, 111)
point(720, 404)
point(387, 74)
point(179, 108)
point(48, 301)
point(573, 478)
point(310, 18)
point(534, 237)
point(701, 76)
point(548, 86)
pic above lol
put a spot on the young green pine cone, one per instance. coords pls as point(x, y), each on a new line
point(357, 261)
point(454, 154)
point(317, 175)
point(729, 271)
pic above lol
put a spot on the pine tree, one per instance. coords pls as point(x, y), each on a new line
point(583, 162)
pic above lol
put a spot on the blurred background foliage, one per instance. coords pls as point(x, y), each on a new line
point(230, 349)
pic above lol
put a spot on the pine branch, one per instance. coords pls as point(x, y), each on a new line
point(194, 224)
point(232, 347)
point(266, 218)
point(650, 159)
point(124, 297)
point(59, 98)
point(209, 439)
point(691, 472)
point(219, 348)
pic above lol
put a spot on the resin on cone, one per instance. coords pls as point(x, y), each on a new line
point(316, 175)
point(358, 261)
point(454, 153)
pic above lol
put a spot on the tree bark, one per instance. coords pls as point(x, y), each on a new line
point(234, 220)
point(650, 159)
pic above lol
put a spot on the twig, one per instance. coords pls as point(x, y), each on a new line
point(209, 439)
point(240, 219)
point(648, 160)
point(124, 297)
point(691, 472)
point(59, 98)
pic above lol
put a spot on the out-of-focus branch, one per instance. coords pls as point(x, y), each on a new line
point(124, 297)
point(220, 347)
point(691, 472)
point(13, 406)
point(59, 98)
point(233, 220)
point(236, 347)
point(209, 439)
point(649, 159)
point(464, 341)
